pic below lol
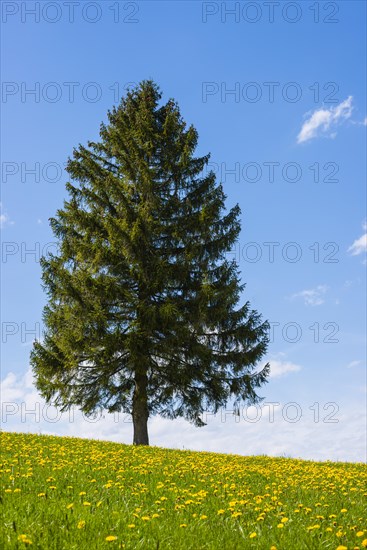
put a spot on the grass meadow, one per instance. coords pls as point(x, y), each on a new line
point(67, 493)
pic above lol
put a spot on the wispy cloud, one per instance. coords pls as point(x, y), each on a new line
point(354, 364)
point(360, 122)
point(360, 245)
point(312, 296)
point(323, 121)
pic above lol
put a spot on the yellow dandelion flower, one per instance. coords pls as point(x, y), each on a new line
point(24, 539)
point(82, 493)
point(342, 548)
point(145, 518)
point(203, 516)
point(220, 512)
point(86, 503)
point(183, 525)
point(364, 543)
point(280, 525)
point(343, 510)
point(41, 494)
point(253, 535)
point(110, 538)
point(17, 490)
point(284, 520)
point(70, 505)
point(360, 533)
point(131, 525)
point(81, 524)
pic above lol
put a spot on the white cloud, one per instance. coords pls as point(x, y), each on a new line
point(354, 364)
point(17, 387)
point(360, 245)
point(4, 218)
point(313, 296)
point(267, 429)
point(281, 368)
point(324, 120)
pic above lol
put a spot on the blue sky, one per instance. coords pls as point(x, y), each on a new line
point(279, 101)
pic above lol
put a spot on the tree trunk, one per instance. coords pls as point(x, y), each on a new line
point(140, 410)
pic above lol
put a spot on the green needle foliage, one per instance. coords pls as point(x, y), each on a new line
point(143, 313)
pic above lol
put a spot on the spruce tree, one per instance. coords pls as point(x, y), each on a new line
point(142, 313)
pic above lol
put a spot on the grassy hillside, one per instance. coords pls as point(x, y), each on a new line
point(66, 493)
